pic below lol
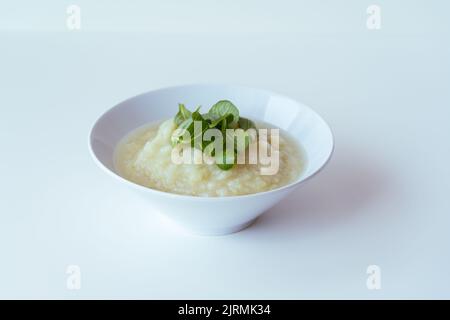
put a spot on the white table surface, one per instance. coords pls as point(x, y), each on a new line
point(383, 199)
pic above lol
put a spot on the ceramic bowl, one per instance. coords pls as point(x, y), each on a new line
point(212, 215)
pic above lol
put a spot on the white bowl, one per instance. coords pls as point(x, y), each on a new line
point(213, 215)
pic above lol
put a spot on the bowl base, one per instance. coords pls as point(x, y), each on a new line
point(206, 231)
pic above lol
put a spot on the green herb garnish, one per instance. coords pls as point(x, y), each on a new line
point(225, 109)
point(222, 116)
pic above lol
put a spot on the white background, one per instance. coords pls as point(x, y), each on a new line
point(383, 199)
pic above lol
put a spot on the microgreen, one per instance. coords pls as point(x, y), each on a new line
point(223, 116)
point(183, 114)
point(225, 108)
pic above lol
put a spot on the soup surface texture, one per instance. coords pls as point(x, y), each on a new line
point(145, 157)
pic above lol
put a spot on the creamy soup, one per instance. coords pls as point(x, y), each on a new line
point(145, 157)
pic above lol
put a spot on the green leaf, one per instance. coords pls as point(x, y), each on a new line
point(225, 160)
point(220, 121)
point(246, 124)
point(223, 115)
point(183, 114)
point(207, 117)
point(196, 116)
point(224, 108)
point(225, 167)
point(178, 135)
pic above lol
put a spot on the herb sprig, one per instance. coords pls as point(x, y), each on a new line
point(222, 115)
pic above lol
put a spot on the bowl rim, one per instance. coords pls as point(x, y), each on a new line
point(290, 185)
